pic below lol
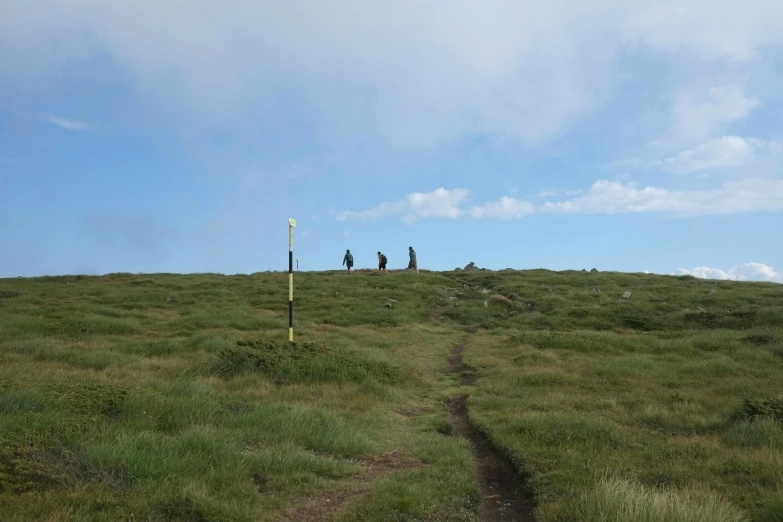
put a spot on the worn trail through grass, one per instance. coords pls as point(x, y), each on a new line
point(505, 497)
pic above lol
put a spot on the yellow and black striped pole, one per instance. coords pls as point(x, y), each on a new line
point(291, 226)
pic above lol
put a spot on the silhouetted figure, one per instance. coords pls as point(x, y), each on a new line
point(348, 260)
point(412, 264)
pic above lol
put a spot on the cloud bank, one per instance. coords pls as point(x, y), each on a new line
point(744, 272)
point(603, 197)
point(412, 74)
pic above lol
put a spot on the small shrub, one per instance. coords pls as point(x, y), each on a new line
point(90, 399)
point(30, 468)
point(639, 321)
point(299, 362)
point(771, 408)
point(758, 340)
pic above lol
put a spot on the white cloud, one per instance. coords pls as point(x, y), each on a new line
point(438, 203)
point(65, 123)
point(410, 73)
point(611, 197)
point(744, 272)
point(728, 151)
point(504, 208)
point(604, 197)
point(696, 117)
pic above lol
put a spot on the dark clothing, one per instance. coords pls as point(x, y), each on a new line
point(382, 262)
point(348, 260)
point(412, 263)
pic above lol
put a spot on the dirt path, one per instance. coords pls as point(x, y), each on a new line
point(503, 490)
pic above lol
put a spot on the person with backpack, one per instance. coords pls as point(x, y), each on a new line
point(412, 264)
point(348, 260)
point(382, 260)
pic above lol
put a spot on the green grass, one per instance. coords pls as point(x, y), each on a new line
point(177, 397)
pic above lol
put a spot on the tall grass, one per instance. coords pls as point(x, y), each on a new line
point(616, 500)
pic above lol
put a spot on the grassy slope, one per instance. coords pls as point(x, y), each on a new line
point(129, 394)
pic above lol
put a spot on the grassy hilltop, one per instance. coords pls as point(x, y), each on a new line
point(177, 397)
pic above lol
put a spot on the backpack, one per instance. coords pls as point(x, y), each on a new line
point(349, 257)
point(383, 259)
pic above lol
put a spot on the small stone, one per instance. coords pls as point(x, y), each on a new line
point(392, 300)
point(388, 305)
point(627, 294)
point(712, 291)
point(596, 290)
point(486, 304)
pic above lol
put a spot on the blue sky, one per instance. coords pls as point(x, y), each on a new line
point(174, 136)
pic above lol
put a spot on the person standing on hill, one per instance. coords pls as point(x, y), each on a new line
point(412, 264)
point(382, 260)
point(348, 260)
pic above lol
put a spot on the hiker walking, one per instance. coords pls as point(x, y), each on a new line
point(412, 265)
point(348, 260)
point(382, 260)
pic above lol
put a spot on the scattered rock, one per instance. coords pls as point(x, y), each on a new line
point(388, 305)
point(452, 298)
point(583, 270)
point(627, 294)
point(712, 291)
point(596, 306)
point(472, 267)
point(596, 290)
point(392, 300)
point(484, 291)
point(593, 270)
point(486, 304)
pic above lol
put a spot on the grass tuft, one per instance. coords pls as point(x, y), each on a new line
point(617, 500)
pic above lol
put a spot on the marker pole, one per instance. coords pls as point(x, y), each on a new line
point(291, 226)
